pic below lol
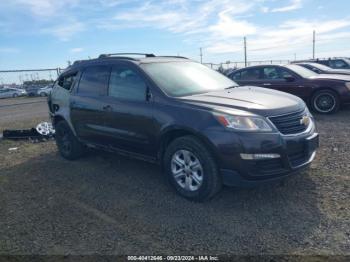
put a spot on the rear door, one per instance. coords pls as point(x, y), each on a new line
point(129, 120)
point(88, 106)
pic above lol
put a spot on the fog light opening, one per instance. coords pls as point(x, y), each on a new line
point(259, 156)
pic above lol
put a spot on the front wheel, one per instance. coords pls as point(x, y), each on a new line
point(191, 169)
point(68, 145)
point(325, 102)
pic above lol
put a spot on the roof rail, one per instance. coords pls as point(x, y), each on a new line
point(174, 56)
point(123, 54)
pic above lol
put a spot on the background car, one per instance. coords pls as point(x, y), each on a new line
point(11, 92)
point(323, 69)
point(324, 93)
point(44, 91)
point(336, 63)
point(32, 90)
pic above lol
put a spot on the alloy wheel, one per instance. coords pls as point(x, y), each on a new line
point(187, 170)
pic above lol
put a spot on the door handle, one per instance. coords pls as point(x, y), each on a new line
point(266, 84)
point(107, 108)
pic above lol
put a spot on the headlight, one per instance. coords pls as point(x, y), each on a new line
point(347, 85)
point(243, 123)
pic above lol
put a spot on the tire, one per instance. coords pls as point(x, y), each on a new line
point(68, 145)
point(15, 95)
point(203, 180)
point(325, 102)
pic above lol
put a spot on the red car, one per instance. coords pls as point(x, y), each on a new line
point(324, 93)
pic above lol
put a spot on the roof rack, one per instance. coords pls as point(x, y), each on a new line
point(172, 56)
point(123, 54)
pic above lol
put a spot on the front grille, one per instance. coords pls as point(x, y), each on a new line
point(290, 123)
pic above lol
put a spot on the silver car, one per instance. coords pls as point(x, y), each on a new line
point(11, 92)
point(44, 91)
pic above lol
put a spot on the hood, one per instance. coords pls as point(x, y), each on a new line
point(256, 100)
point(332, 77)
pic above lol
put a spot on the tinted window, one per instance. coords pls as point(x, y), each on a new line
point(250, 74)
point(127, 84)
point(338, 64)
point(94, 81)
point(271, 73)
point(324, 62)
point(318, 71)
point(236, 76)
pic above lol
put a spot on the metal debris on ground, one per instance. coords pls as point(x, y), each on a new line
point(45, 129)
point(42, 132)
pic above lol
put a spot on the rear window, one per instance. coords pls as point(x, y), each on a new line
point(94, 81)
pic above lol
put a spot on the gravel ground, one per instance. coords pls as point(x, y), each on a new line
point(108, 204)
point(22, 112)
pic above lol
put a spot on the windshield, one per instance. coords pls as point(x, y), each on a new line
point(319, 66)
point(186, 78)
point(302, 71)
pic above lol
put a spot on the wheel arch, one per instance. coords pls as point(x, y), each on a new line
point(323, 88)
point(58, 117)
point(172, 133)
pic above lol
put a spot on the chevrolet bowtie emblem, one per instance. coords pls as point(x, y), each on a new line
point(305, 121)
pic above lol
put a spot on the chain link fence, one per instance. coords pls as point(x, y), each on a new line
point(33, 79)
point(30, 80)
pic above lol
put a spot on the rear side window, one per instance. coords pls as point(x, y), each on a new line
point(338, 64)
point(250, 74)
point(67, 81)
point(126, 84)
point(324, 62)
point(94, 81)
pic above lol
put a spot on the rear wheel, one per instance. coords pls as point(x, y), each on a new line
point(68, 145)
point(325, 102)
point(191, 169)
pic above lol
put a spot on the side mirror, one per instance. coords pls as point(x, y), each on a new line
point(289, 78)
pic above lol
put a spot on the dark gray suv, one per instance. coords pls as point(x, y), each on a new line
point(200, 126)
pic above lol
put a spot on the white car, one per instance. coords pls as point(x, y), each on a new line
point(44, 91)
point(11, 92)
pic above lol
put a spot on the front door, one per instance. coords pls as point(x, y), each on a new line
point(129, 119)
point(281, 79)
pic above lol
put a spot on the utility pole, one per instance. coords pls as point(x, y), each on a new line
point(245, 52)
point(313, 44)
point(201, 54)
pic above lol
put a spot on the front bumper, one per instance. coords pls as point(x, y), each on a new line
point(296, 154)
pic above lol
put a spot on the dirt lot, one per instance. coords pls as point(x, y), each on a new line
point(107, 204)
